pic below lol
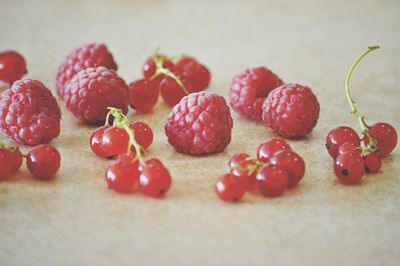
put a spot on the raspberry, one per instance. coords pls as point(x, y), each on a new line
point(29, 114)
point(291, 110)
point(92, 90)
point(12, 66)
point(249, 89)
point(82, 57)
point(200, 123)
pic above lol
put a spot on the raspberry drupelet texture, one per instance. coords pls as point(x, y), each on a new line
point(29, 114)
point(82, 57)
point(92, 90)
point(249, 89)
point(200, 123)
point(292, 110)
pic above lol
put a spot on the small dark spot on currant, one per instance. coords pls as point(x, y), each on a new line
point(345, 172)
point(235, 199)
point(327, 146)
point(162, 191)
point(367, 170)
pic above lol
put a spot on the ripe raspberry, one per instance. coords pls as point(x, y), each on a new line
point(29, 114)
point(249, 89)
point(200, 123)
point(291, 110)
point(92, 90)
point(12, 66)
point(82, 57)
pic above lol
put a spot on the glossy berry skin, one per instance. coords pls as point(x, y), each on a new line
point(15, 159)
point(385, 135)
point(271, 146)
point(5, 163)
point(372, 163)
point(143, 134)
point(292, 163)
point(246, 172)
point(172, 92)
point(237, 158)
point(229, 188)
point(272, 181)
point(149, 67)
point(43, 161)
point(122, 175)
point(155, 180)
point(349, 168)
point(337, 137)
point(12, 66)
point(349, 146)
point(96, 143)
point(114, 141)
point(196, 73)
point(143, 95)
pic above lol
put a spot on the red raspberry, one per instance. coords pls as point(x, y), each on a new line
point(249, 89)
point(29, 114)
point(200, 124)
point(12, 66)
point(92, 90)
point(82, 57)
point(291, 110)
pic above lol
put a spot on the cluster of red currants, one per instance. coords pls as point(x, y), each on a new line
point(43, 161)
point(126, 141)
point(275, 169)
point(173, 80)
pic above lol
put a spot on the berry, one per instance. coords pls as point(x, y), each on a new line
point(271, 146)
point(272, 181)
point(350, 146)
point(292, 110)
point(143, 134)
point(92, 91)
point(96, 142)
point(249, 90)
point(43, 161)
point(229, 188)
point(15, 159)
point(115, 141)
point(155, 180)
point(372, 163)
point(200, 124)
point(292, 163)
point(12, 66)
point(245, 171)
point(386, 137)
point(82, 57)
point(5, 163)
point(149, 67)
point(143, 95)
point(337, 137)
point(349, 167)
point(172, 92)
point(197, 74)
point(29, 114)
point(122, 175)
point(237, 158)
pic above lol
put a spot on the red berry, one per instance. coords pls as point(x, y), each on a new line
point(271, 146)
point(337, 137)
point(292, 163)
point(237, 158)
point(386, 137)
point(143, 95)
point(172, 92)
point(115, 141)
point(127, 158)
point(249, 90)
point(12, 66)
point(229, 188)
point(5, 163)
point(122, 175)
point(272, 181)
point(245, 171)
point(292, 110)
point(16, 159)
point(29, 114)
point(43, 161)
point(349, 167)
point(149, 68)
point(196, 74)
point(96, 142)
point(349, 146)
point(143, 134)
point(372, 163)
point(200, 124)
point(155, 180)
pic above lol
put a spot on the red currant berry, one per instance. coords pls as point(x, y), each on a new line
point(292, 163)
point(272, 181)
point(172, 92)
point(96, 142)
point(5, 163)
point(229, 188)
point(237, 158)
point(246, 172)
point(115, 141)
point(143, 134)
point(337, 137)
point(16, 159)
point(372, 163)
point(12, 66)
point(155, 180)
point(349, 146)
point(271, 146)
point(349, 167)
point(386, 137)
point(127, 158)
point(122, 175)
point(143, 95)
point(43, 161)
point(149, 68)
point(197, 74)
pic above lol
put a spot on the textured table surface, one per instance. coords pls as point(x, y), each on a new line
point(76, 220)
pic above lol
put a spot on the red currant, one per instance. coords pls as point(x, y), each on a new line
point(149, 68)
point(272, 181)
point(171, 91)
point(43, 161)
point(386, 137)
point(237, 158)
point(229, 188)
point(5, 163)
point(372, 163)
point(12, 66)
point(271, 146)
point(292, 163)
point(115, 141)
point(155, 180)
point(246, 172)
point(349, 146)
point(349, 167)
point(143, 95)
point(16, 159)
point(122, 175)
point(197, 74)
point(337, 137)
point(143, 134)
point(96, 142)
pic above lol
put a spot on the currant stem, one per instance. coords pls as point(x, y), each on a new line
point(372, 145)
